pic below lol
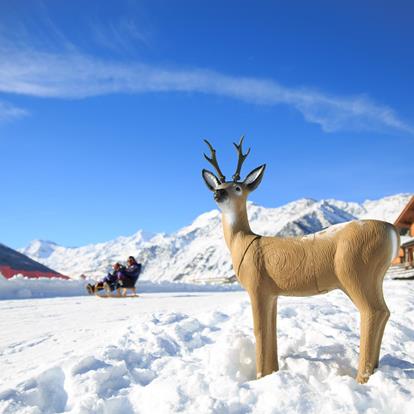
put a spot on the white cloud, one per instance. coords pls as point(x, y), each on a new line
point(9, 112)
point(120, 36)
point(71, 74)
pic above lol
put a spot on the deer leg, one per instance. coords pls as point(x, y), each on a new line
point(383, 319)
point(374, 315)
point(373, 322)
point(273, 329)
point(264, 320)
point(366, 293)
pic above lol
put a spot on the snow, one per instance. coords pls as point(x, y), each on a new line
point(194, 352)
point(385, 209)
point(197, 253)
point(20, 287)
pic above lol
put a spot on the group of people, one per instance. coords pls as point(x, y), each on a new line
point(121, 277)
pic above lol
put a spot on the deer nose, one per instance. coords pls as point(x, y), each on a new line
point(220, 195)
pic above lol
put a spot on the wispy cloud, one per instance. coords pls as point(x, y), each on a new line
point(72, 74)
point(9, 112)
point(120, 36)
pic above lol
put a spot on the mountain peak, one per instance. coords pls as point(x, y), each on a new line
point(41, 249)
point(197, 252)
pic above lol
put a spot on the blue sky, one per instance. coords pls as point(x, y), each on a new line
point(104, 107)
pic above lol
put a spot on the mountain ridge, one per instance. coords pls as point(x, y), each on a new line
point(197, 252)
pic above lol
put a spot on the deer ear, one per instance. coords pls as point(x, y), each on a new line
point(254, 178)
point(210, 179)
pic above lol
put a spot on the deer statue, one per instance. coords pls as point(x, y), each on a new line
point(352, 257)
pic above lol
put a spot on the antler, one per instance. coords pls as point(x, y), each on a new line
point(213, 161)
point(241, 159)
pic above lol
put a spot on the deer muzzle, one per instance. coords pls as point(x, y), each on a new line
point(220, 195)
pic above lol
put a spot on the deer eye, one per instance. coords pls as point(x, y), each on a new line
point(238, 189)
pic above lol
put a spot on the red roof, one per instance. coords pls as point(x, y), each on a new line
point(406, 218)
point(8, 272)
point(13, 263)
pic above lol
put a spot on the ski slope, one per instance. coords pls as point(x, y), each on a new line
point(193, 352)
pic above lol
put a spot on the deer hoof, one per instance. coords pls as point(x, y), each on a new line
point(363, 378)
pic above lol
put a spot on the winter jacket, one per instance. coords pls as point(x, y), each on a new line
point(132, 272)
point(111, 278)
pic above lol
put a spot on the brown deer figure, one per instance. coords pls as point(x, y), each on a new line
point(352, 257)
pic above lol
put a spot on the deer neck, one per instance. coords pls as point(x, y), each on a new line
point(236, 226)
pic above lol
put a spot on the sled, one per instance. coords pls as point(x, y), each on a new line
point(107, 292)
point(122, 293)
point(117, 296)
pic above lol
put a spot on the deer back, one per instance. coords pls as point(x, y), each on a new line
point(317, 263)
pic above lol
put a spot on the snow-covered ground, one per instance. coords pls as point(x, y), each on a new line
point(20, 287)
point(193, 352)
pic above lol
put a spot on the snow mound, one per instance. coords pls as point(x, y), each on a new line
point(20, 287)
point(202, 361)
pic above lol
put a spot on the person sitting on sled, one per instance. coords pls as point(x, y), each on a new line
point(128, 276)
point(109, 282)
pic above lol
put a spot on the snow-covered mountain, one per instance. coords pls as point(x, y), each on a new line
point(89, 260)
point(197, 253)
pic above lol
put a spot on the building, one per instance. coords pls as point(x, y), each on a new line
point(405, 225)
point(13, 263)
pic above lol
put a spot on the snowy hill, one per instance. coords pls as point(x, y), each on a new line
point(197, 253)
